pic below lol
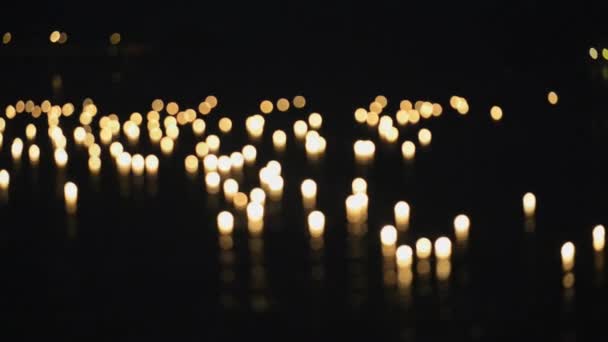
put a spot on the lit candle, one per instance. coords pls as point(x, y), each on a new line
point(529, 203)
point(210, 163)
point(424, 137)
point(225, 125)
point(4, 179)
point(443, 248)
point(567, 253)
point(138, 164)
point(94, 164)
point(388, 236)
point(249, 153)
point(231, 187)
point(300, 128)
point(496, 113)
point(17, 148)
point(461, 227)
point(166, 145)
point(240, 201)
point(599, 238)
point(61, 157)
point(552, 97)
point(279, 139)
point(404, 256)
point(34, 154)
point(70, 193)
point(423, 248)
point(224, 164)
point(191, 163)
point(237, 161)
point(408, 150)
point(123, 162)
point(309, 189)
point(257, 195)
point(225, 222)
point(402, 214)
point(212, 181)
point(315, 120)
point(30, 132)
point(255, 212)
point(359, 185)
point(151, 164)
point(316, 223)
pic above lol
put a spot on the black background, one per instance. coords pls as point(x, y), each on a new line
point(138, 265)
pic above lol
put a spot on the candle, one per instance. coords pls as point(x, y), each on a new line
point(315, 120)
point(599, 238)
point(404, 256)
point(424, 137)
point(300, 128)
point(34, 154)
point(461, 227)
point(249, 153)
point(61, 157)
point(70, 194)
point(240, 201)
point(224, 164)
point(279, 139)
point(191, 163)
point(443, 248)
point(255, 212)
point(210, 163)
point(402, 213)
point(529, 203)
point(151, 163)
point(408, 150)
point(225, 222)
point(423, 248)
point(166, 145)
point(359, 185)
point(231, 187)
point(496, 113)
point(30, 132)
point(316, 223)
point(17, 148)
point(212, 182)
point(236, 161)
point(309, 190)
point(568, 252)
point(257, 195)
point(388, 236)
point(225, 125)
point(4, 179)
point(213, 142)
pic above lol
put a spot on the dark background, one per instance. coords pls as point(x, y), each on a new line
point(140, 265)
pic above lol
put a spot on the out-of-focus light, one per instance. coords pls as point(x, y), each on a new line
point(123, 162)
point(231, 187)
point(568, 252)
point(599, 238)
point(5, 179)
point(605, 53)
point(279, 139)
point(443, 248)
point(70, 193)
point(30, 132)
point(137, 164)
point(388, 235)
point(115, 38)
point(364, 150)
point(224, 164)
point(257, 195)
point(151, 162)
point(552, 97)
point(593, 53)
point(172, 108)
point(191, 164)
point(212, 101)
point(361, 115)
point(7, 37)
point(210, 163)
point(529, 203)
point(496, 113)
point(166, 145)
point(316, 223)
point(309, 189)
point(372, 119)
point(424, 137)
point(34, 154)
point(402, 213)
point(94, 150)
point(225, 125)
point(299, 101)
point(359, 185)
point(79, 135)
point(54, 36)
point(283, 105)
point(300, 128)
point(423, 248)
point(266, 107)
point(212, 182)
point(315, 120)
point(461, 227)
point(213, 142)
point(237, 161)
point(240, 200)
point(408, 150)
point(404, 256)
point(94, 164)
point(249, 153)
point(61, 157)
point(255, 212)
point(116, 149)
point(201, 149)
point(225, 222)
point(198, 127)
point(356, 208)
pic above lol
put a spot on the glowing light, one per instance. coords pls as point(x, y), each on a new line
point(255, 212)
point(115, 38)
point(249, 153)
point(443, 248)
point(316, 223)
point(5, 179)
point(225, 222)
point(382, 100)
point(30, 132)
point(166, 145)
point(151, 162)
point(599, 238)
point(212, 101)
point(172, 108)
point(210, 163)
point(299, 101)
point(605, 53)
point(461, 226)
point(191, 164)
point(225, 125)
point(94, 150)
point(116, 149)
point(123, 162)
point(315, 120)
point(424, 137)
point(364, 150)
point(70, 193)
point(212, 182)
point(496, 113)
point(404, 256)
point(61, 157)
point(283, 105)
point(137, 164)
point(388, 235)
point(359, 186)
point(309, 189)
point(529, 203)
point(54, 37)
point(423, 248)
point(201, 149)
point(237, 160)
point(34, 154)
point(356, 208)
point(568, 252)
point(402, 213)
point(6, 38)
point(299, 129)
point(361, 115)
point(231, 187)
point(552, 97)
point(240, 200)
point(408, 150)
point(279, 139)
point(224, 164)
point(94, 164)
point(372, 119)
point(266, 107)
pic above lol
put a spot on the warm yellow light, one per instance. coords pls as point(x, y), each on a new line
point(201, 149)
point(257, 195)
point(275, 185)
point(249, 153)
point(10, 112)
point(423, 248)
point(316, 223)
point(105, 135)
point(224, 164)
point(360, 115)
point(382, 100)
point(137, 164)
point(116, 149)
point(364, 149)
point(172, 108)
point(151, 162)
point(529, 203)
point(605, 53)
point(231, 187)
point(212, 101)
point(568, 252)
point(299, 129)
point(299, 101)
point(552, 97)
point(115, 38)
point(437, 109)
point(171, 132)
point(375, 107)
point(166, 145)
point(266, 107)
point(402, 117)
point(225, 125)
point(283, 105)
point(70, 193)
point(356, 208)
point(359, 185)
point(61, 157)
point(404, 256)
point(191, 164)
point(212, 181)
point(123, 162)
point(213, 142)
point(496, 113)
point(34, 154)
point(461, 227)
point(54, 37)
point(225, 222)
point(388, 235)
point(94, 164)
point(315, 120)
point(30, 132)
point(402, 213)
point(6, 38)
point(5, 179)
point(240, 200)
point(210, 163)
point(372, 119)
point(2, 125)
point(309, 189)
point(426, 110)
point(599, 238)
point(198, 127)
point(237, 161)
point(204, 108)
point(424, 137)
point(275, 167)
point(408, 150)
point(443, 248)
point(79, 135)
point(255, 212)
point(279, 139)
